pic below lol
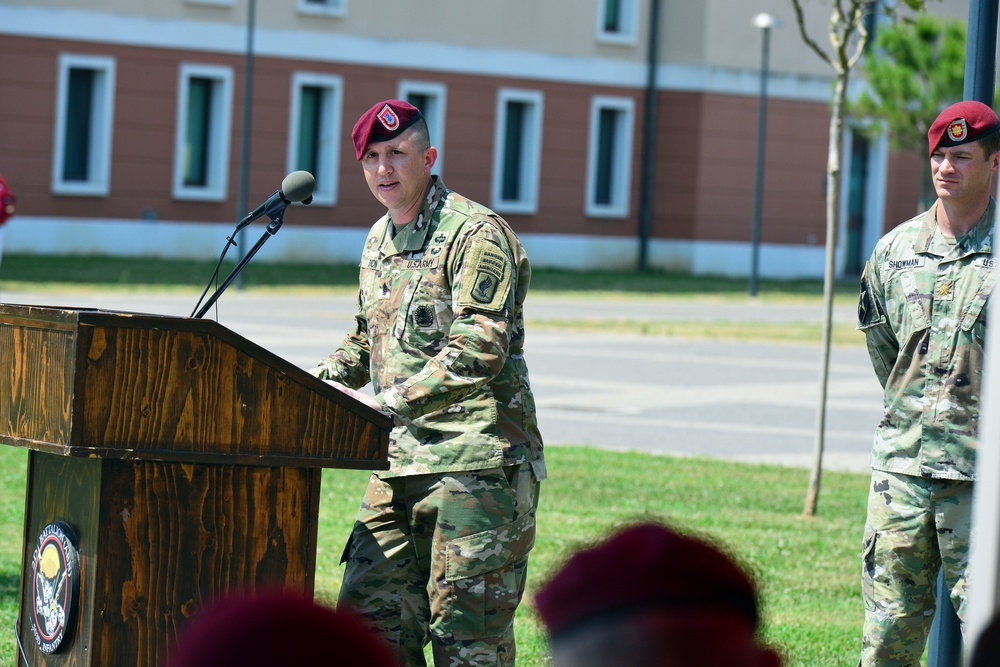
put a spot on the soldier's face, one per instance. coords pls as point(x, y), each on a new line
point(398, 174)
point(962, 173)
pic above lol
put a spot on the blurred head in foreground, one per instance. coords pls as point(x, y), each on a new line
point(650, 596)
point(277, 629)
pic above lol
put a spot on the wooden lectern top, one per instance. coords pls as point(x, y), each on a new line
point(97, 383)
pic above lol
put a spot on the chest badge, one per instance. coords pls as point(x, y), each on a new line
point(423, 316)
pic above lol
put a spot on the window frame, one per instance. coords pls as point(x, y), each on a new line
point(629, 18)
point(101, 131)
point(221, 124)
point(335, 8)
point(435, 116)
point(531, 151)
point(621, 165)
point(328, 177)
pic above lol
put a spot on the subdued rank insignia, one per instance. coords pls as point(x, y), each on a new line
point(55, 585)
point(487, 277)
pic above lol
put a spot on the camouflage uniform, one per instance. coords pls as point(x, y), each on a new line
point(439, 551)
point(923, 311)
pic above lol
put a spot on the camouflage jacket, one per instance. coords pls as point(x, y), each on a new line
point(923, 310)
point(440, 334)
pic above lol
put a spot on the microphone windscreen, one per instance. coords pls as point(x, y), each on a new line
point(298, 185)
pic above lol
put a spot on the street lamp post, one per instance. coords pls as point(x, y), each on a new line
point(245, 133)
point(765, 22)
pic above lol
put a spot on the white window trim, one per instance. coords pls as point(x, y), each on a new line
point(222, 121)
point(528, 204)
point(621, 169)
point(101, 131)
point(326, 189)
point(328, 8)
point(435, 124)
point(218, 3)
point(628, 35)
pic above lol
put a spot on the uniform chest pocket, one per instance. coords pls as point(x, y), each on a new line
point(917, 301)
point(974, 317)
point(425, 314)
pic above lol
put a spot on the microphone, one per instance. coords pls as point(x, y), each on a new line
point(296, 187)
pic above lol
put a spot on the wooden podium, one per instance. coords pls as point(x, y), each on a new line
point(171, 462)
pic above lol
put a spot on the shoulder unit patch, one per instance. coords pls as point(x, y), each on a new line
point(486, 277)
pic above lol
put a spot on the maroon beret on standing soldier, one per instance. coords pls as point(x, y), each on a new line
point(961, 123)
point(384, 121)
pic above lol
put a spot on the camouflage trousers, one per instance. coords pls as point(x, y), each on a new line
point(443, 558)
point(916, 526)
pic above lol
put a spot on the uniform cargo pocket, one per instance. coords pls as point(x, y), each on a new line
point(486, 571)
point(868, 567)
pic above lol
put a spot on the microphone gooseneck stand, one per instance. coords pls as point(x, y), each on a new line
point(277, 215)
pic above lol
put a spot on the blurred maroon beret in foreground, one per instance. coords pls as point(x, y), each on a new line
point(384, 121)
point(277, 628)
point(961, 123)
point(645, 566)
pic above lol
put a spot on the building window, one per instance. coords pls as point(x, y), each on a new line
point(517, 151)
point(617, 21)
point(204, 113)
point(81, 162)
point(325, 7)
point(314, 131)
point(430, 98)
point(609, 156)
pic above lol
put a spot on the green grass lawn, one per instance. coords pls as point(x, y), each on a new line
point(808, 568)
point(23, 271)
point(31, 272)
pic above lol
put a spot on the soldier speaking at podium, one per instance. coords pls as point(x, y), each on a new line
point(440, 547)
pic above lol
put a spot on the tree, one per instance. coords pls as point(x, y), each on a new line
point(848, 34)
point(915, 70)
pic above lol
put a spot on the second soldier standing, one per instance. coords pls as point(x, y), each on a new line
point(439, 551)
point(923, 310)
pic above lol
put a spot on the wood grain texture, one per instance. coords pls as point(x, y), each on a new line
point(185, 459)
point(64, 489)
point(159, 541)
point(124, 385)
point(36, 408)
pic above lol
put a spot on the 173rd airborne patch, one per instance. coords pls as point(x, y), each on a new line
point(487, 277)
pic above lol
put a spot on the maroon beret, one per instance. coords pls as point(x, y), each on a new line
point(961, 123)
point(384, 121)
point(277, 628)
point(645, 566)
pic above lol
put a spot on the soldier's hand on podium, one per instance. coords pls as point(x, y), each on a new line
point(357, 395)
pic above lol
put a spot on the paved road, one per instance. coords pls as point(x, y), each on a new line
point(746, 401)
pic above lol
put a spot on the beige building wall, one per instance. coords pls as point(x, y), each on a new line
point(708, 81)
point(694, 33)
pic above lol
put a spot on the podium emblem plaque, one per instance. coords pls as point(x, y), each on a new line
point(55, 577)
